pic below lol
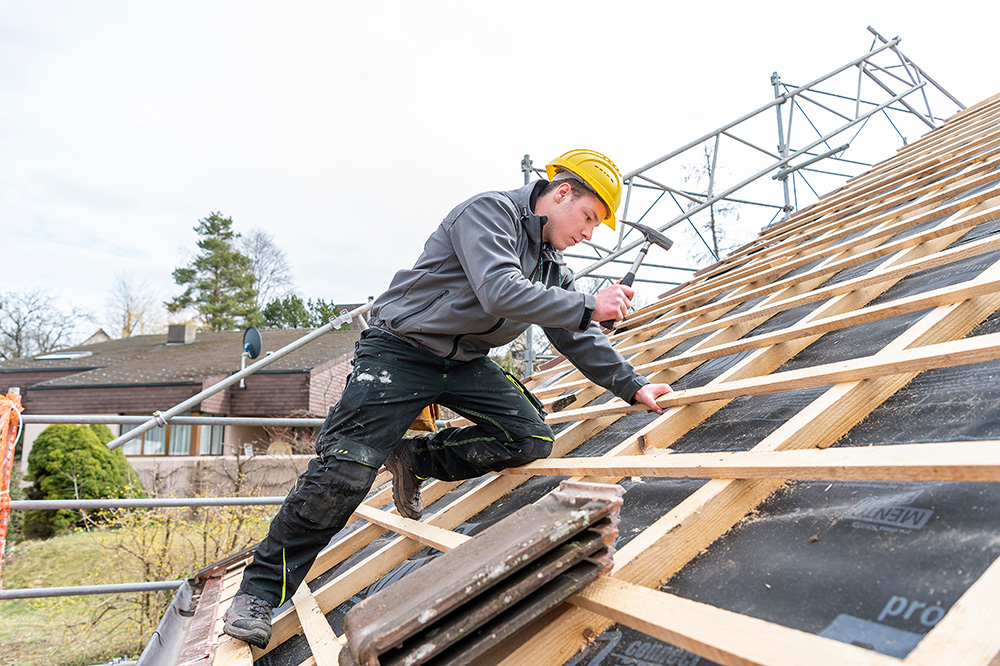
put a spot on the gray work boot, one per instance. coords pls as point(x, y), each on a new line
point(249, 619)
point(405, 484)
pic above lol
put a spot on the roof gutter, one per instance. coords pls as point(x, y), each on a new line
point(63, 387)
point(164, 648)
point(189, 619)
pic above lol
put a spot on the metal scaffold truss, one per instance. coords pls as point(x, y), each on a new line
point(722, 188)
point(719, 191)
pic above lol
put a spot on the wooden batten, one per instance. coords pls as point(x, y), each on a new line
point(947, 182)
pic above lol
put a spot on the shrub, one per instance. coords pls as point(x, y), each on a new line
point(104, 434)
point(73, 462)
point(164, 544)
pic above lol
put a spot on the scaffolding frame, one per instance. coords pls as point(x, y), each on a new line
point(783, 163)
point(830, 107)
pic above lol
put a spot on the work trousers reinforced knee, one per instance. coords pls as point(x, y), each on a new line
point(320, 504)
point(391, 383)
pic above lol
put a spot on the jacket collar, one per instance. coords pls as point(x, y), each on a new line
point(524, 198)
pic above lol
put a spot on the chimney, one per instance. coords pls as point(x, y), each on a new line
point(180, 334)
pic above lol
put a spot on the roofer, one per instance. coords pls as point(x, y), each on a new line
point(491, 268)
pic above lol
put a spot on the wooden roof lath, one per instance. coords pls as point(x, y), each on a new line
point(746, 327)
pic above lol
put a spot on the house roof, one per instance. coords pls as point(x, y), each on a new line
point(822, 485)
point(148, 359)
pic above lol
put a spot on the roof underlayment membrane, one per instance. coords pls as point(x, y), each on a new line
point(892, 566)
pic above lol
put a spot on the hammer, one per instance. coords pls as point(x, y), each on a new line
point(652, 236)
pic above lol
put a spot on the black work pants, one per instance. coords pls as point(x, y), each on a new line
point(391, 383)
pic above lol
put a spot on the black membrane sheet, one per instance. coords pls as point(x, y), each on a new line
point(875, 564)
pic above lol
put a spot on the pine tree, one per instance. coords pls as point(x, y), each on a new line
point(287, 312)
point(293, 312)
point(218, 283)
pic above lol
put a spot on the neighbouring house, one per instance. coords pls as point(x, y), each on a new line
point(146, 373)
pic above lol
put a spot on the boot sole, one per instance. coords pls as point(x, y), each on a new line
point(256, 637)
point(413, 512)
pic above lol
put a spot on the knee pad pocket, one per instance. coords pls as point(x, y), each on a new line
point(327, 493)
point(534, 448)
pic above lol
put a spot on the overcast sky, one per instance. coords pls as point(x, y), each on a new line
point(348, 130)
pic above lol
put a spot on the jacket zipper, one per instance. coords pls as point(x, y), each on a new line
point(454, 346)
point(399, 319)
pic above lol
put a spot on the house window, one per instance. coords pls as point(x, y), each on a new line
point(154, 441)
point(180, 440)
point(210, 442)
point(176, 440)
point(132, 447)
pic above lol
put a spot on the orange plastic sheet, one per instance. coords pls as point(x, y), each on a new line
point(10, 416)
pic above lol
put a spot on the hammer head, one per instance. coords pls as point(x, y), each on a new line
point(652, 235)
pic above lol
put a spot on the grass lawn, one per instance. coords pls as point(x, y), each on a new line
point(40, 631)
point(92, 629)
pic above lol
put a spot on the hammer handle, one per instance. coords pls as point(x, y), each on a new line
point(629, 278)
point(627, 281)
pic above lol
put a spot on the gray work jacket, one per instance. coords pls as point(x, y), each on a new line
point(484, 275)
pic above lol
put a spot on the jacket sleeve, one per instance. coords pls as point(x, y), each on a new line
point(591, 352)
point(484, 236)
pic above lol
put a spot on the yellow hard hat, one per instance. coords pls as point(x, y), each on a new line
point(598, 172)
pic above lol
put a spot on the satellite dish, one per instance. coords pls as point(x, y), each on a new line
point(252, 343)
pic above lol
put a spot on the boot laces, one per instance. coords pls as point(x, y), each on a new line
point(257, 607)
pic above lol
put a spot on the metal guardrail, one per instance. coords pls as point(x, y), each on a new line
point(161, 418)
point(90, 419)
point(120, 588)
point(81, 590)
point(144, 503)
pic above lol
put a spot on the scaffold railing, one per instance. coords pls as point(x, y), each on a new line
point(702, 199)
point(730, 183)
point(106, 419)
point(720, 190)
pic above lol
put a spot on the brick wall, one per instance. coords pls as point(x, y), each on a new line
point(271, 394)
point(326, 385)
point(218, 403)
point(105, 400)
point(26, 378)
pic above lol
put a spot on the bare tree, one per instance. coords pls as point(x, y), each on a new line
point(590, 285)
point(30, 324)
point(132, 308)
point(268, 265)
point(720, 220)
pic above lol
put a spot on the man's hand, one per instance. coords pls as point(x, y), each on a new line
point(613, 302)
point(648, 394)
